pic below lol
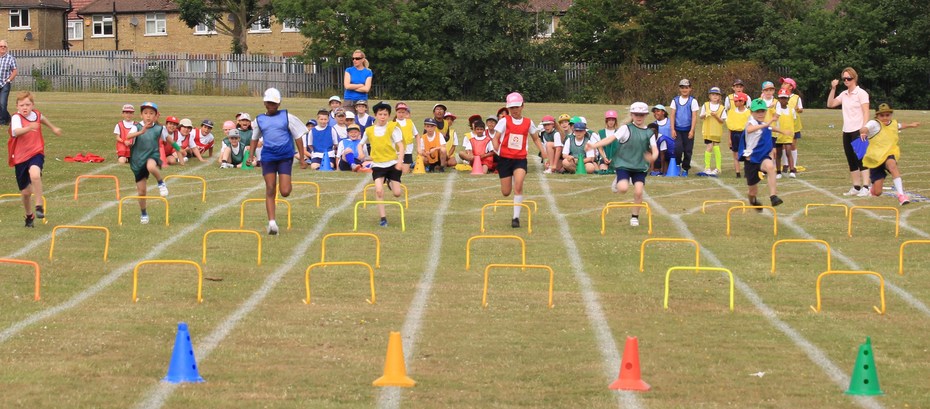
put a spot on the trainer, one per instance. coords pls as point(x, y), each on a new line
point(855, 103)
point(7, 74)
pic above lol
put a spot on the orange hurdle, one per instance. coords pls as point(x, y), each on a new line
point(28, 263)
point(44, 203)
point(77, 183)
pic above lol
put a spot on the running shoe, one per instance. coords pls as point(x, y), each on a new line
point(776, 201)
point(40, 212)
point(272, 228)
point(144, 219)
point(30, 221)
point(852, 192)
point(163, 189)
point(383, 222)
point(515, 223)
point(903, 199)
point(864, 192)
point(634, 221)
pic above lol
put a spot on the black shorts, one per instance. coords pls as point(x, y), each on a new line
point(22, 170)
point(734, 140)
point(879, 173)
point(141, 174)
point(408, 158)
point(752, 172)
point(507, 166)
point(390, 173)
point(631, 175)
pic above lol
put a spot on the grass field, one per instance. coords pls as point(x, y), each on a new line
point(86, 344)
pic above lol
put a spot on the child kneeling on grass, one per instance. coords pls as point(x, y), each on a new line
point(756, 148)
point(881, 155)
point(26, 150)
point(634, 156)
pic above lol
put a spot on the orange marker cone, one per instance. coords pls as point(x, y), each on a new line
point(395, 371)
point(477, 168)
point(630, 378)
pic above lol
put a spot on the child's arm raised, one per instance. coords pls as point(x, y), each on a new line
point(908, 125)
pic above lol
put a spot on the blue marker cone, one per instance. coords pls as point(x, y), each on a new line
point(326, 164)
point(672, 168)
point(183, 367)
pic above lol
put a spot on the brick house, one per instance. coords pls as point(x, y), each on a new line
point(547, 14)
point(34, 24)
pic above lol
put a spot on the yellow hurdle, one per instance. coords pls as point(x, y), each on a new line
point(377, 245)
point(77, 183)
point(119, 212)
point(244, 202)
point(529, 213)
point(827, 245)
point(371, 274)
point(620, 205)
point(881, 282)
point(810, 205)
point(106, 243)
point(372, 185)
point(901, 253)
point(203, 260)
point(135, 276)
point(774, 217)
point(487, 271)
point(403, 223)
point(44, 203)
point(527, 201)
point(35, 266)
point(707, 202)
point(488, 237)
point(642, 250)
point(314, 184)
point(669, 274)
point(203, 184)
point(897, 217)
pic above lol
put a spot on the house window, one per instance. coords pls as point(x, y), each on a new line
point(262, 25)
point(103, 26)
point(291, 25)
point(545, 29)
point(75, 29)
point(19, 19)
point(155, 24)
point(208, 27)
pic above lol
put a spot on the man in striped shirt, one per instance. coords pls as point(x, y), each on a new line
point(7, 74)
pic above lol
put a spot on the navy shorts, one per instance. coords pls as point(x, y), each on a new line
point(408, 158)
point(879, 172)
point(734, 140)
point(281, 167)
point(797, 135)
point(22, 170)
point(506, 166)
point(389, 173)
point(752, 172)
point(631, 175)
point(319, 161)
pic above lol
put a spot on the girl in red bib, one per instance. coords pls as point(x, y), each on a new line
point(26, 150)
point(509, 139)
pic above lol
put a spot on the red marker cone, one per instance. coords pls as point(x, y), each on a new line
point(477, 168)
point(630, 378)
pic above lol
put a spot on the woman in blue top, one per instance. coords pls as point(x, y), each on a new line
point(357, 80)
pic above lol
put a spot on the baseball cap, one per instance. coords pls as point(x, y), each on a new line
point(741, 96)
point(207, 122)
point(232, 133)
point(639, 108)
point(430, 121)
point(767, 85)
point(610, 114)
point(548, 119)
point(514, 99)
point(565, 117)
point(245, 116)
point(738, 82)
point(381, 106)
point(335, 98)
point(353, 126)
point(339, 111)
point(173, 119)
point(659, 107)
point(350, 115)
point(491, 118)
point(149, 105)
point(786, 80)
point(758, 105)
point(450, 115)
point(229, 124)
point(186, 122)
point(684, 83)
point(311, 122)
point(714, 90)
point(272, 95)
point(580, 126)
point(401, 105)
point(784, 93)
point(129, 108)
point(362, 102)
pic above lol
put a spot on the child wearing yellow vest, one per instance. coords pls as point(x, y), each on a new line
point(784, 117)
point(410, 132)
point(737, 116)
point(794, 101)
point(713, 116)
point(387, 154)
point(883, 151)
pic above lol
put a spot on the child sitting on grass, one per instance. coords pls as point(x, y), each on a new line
point(352, 153)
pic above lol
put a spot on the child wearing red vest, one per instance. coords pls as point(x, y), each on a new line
point(477, 142)
point(26, 150)
point(510, 142)
point(122, 128)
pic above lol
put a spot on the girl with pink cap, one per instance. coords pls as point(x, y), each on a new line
point(607, 152)
point(509, 139)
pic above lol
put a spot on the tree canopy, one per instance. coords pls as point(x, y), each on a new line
point(229, 17)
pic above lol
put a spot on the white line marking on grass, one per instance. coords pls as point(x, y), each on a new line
point(391, 397)
point(157, 397)
point(813, 353)
point(117, 273)
point(46, 237)
point(605, 339)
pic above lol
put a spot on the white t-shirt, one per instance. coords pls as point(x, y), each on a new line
point(785, 111)
point(567, 147)
point(340, 131)
point(488, 147)
point(681, 100)
point(713, 108)
point(126, 124)
point(623, 135)
point(396, 136)
point(360, 153)
point(425, 137)
point(308, 140)
point(16, 122)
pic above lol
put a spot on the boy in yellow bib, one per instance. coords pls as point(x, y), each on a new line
point(737, 116)
point(883, 151)
point(713, 116)
point(387, 154)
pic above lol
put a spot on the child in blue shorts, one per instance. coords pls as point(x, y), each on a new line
point(26, 150)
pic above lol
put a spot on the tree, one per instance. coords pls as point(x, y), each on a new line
point(606, 31)
point(229, 17)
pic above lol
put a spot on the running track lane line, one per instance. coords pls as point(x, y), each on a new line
point(116, 274)
point(159, 394)
point(813, 353)
point(390, 397)
point(605, 339)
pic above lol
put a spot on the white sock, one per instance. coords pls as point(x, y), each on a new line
point(794, 157)
point(517, 199)
point(784, 159)
point(898, 185)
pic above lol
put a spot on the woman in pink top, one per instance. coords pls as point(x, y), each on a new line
point(855, 102)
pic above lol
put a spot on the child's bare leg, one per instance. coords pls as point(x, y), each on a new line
point(122, 159)
point(623, 185)
point(769, 168)
point(141, 189)
point(152, 167)
point(27, 199)
point(735, 162)
point(284, 185)
point(778, 153)
point(591, 168)
point(227, 153)
point(379, 195)
point(638, 189)
point(568, 162)
point(35, 177)
point(270, 191)
point(506, 186)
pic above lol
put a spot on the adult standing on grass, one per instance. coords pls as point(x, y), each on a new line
point(7, 74)
point(279, 132)
point(855, 103)
point(357, 81)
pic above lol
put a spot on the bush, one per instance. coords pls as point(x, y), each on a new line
point(42, 84)
point(154, 81)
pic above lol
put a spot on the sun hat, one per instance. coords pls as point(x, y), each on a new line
point(444, 108)
point(335, 98)
point(639, 108)
point(350, 115)
point(353, 126)
point(758, 105)
point(129, 108)
point(514, 99)
point(883, 109)
point(272, 95)
point(564, 117)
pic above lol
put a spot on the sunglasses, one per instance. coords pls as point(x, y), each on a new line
point(847, 79)
point(358, 58)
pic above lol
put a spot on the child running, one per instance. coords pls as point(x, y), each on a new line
point(634, 156)
point(713, 115)
point(510, 142)
point(883, 152)
point(145, 158)
point(387, 155)
point(279, 132)
point(737, 116)
point(756, 148)
point(26, 150)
